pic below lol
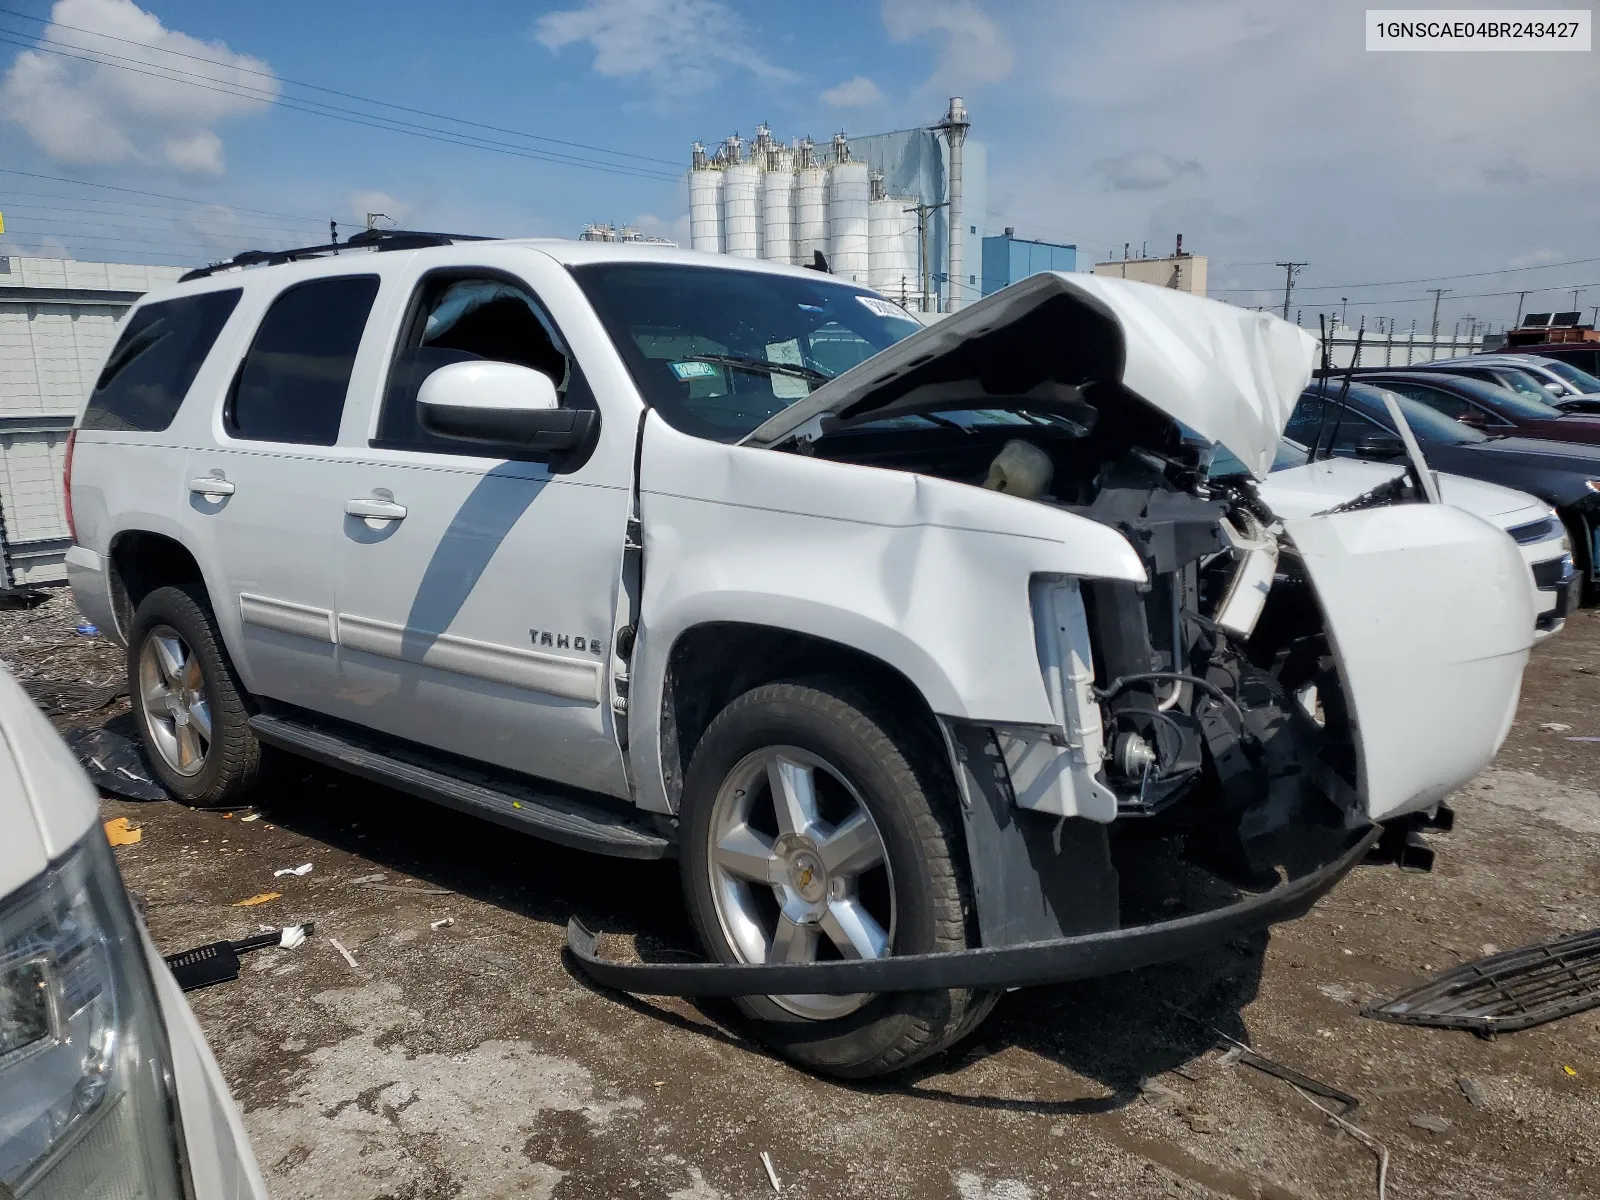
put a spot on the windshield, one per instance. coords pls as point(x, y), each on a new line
point(716, 351)
point(1521, 382)
point(1432, 426)
point(1290, 453)
point(1576, 376)
point(1514, 401)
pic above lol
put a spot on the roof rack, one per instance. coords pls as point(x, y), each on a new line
point(373, 239)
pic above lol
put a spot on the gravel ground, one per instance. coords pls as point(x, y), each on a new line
point(467, 1061)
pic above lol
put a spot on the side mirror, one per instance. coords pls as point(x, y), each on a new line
point(501, 404)
point(1379, 447)
point(1555, 389)
point(1588, 405)
point(1472, 418)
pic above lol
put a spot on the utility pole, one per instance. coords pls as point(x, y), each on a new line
point(923, 211)
point(1289, 268)
point(1594, 316)
point(1521, 296)
point(1344, 310)
point(1437, 292)
point(1575, 292)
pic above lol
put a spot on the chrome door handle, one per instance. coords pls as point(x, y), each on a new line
point(211, 485)
point(373, 509)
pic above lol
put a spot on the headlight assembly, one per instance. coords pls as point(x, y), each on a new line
point(87, 1108)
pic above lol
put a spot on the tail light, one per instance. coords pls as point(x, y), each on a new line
point(66, 483)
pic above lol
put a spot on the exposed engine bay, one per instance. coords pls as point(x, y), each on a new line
point(1214, 707)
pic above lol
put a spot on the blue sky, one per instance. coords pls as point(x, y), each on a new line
point(1260, 129)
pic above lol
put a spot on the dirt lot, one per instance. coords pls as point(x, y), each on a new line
point(469, 1062)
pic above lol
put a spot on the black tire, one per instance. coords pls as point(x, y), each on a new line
point(232, 762)
point(901, 778)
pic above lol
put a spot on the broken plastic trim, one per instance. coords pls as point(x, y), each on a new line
point(1505, 992)
point(1085, 956)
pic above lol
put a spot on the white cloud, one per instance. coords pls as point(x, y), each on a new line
point(1143, 170)
point(975, 50)
point(1536, 258)
point(679, 46)
point(675, 228)
point(96, 112)
point(859, 92)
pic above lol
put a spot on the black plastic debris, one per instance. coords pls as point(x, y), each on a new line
point(1516, 989)
point(219, 961)
point(115, 764)
point(65, 696)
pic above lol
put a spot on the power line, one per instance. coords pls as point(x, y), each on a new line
point(111, 187)
point(1326, 287)
point(316, 87)
point(1289, 268)
point(331, 111)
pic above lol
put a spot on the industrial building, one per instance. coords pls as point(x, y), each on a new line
point(1180, 270)
point(602, 232)
point(1008, 258)
point(898, 212)
point(57, 322)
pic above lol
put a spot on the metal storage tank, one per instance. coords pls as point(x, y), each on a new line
point(777, 210)
point(705, 203)
point(741, 221)
point(848, 189)
point(58, 319)
point(810, 205)
point(892, 248)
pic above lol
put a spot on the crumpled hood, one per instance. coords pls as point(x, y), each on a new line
point(1231, 375)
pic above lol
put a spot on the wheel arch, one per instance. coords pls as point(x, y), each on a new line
point(141, 560)
point(710, 663)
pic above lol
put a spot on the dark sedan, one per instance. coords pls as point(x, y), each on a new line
point(1487, 406)
point(1565, 475)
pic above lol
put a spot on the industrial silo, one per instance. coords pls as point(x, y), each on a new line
point(892, 247)
point(777, 207)
point(810, 206)
point(705, 203)
point(848, 192)
point(741, 218)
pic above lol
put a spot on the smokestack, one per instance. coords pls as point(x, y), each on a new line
point(1178, 253)
point(955, 126)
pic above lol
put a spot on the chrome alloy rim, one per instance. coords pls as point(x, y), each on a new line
point(172, 695)
point(799, 870)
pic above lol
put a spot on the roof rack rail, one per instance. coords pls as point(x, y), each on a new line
point(375, 239)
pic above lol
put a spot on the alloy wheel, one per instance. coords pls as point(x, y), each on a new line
point(173, 701)
point(800, 872)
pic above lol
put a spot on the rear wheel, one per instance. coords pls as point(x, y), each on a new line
point(188, 702)
point(809, 835)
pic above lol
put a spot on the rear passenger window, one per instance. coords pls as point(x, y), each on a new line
point(155, 360)
point(292, 384)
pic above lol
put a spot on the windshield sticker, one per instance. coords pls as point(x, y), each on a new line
point(694, 370)
point(884, 308)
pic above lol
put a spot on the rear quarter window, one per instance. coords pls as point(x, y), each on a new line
point(155, 361)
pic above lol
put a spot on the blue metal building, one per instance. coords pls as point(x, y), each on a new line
point(1008, 258)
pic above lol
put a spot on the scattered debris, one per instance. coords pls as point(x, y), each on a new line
point(258, 898)
point(441, 923)
point(1583, 739)
point(114, 764)
point(302, 869)
point(120, 833)
point(367, 879)
point(66, 696)
point(1200, 1122)
point(1430, 1122)
point(1243, 1053)
point(219, 961)
point(772, 1175)
point(1473, 1091)
point(1554, 727)
point(1362, 1136)
point(248, 817)
point(348, 957)
point(1571, 1074)
point(413, 891)
point(1155, 1092)
point(1505, 992)
point(87, 629)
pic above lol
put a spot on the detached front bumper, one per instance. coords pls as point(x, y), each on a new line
point(1059, 960)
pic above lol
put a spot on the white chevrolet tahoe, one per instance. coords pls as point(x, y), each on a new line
point(107, 1086)
point(932, 654)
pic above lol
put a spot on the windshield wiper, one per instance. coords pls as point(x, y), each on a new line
point(761, 366)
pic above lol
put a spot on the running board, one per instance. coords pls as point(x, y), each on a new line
point(555, 815)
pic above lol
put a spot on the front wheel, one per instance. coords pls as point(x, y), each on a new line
point(809, 835)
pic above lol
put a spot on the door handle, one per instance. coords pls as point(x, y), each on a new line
point(373, 508)
point(211, 485)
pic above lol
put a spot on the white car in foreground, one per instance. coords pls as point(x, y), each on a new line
point(107, 1086)
point(911, 644)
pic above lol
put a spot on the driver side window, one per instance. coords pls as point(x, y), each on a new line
point(463, 317)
